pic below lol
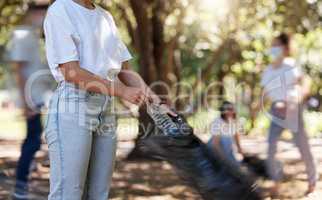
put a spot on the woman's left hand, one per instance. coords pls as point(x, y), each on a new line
point(241, 152)
point(166, 109)
point(165, 106)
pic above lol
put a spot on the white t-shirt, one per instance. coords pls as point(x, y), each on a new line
point(24, 46)
point(90, 36)
point(281, 84)
point(226, 131)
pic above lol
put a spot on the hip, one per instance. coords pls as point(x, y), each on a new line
point(72, 104)
point(70, 93)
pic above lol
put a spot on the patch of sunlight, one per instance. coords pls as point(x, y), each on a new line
point(12, 124)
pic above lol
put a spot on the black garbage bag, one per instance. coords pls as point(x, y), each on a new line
point(256, 166)
point(173, 141)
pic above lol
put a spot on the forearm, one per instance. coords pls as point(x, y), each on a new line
point(261, 102)
point(20, 80)
point(306, 84)
point(90, 82)
point(237, 139)
point(131, 79)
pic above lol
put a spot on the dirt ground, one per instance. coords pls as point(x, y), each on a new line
point(151, 180)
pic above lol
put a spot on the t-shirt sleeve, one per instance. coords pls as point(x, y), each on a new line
point(60, 40)
point(293, 75)
point(18, 49)
point(294, 71)
point(297, 72)
point(123, 53)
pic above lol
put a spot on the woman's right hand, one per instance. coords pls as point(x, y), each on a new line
point(133, 95)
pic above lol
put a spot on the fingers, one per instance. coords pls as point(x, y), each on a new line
point(165, 109)
point(172, 113)
point(140, 97)
point(153, 98)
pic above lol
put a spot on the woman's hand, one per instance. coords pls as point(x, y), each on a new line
point(240, 151)
point(155, 99)
point(133, 95)
point(166, 109)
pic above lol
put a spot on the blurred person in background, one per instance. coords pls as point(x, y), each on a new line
point(226, 132)
point(25, 58)
point(287, 88)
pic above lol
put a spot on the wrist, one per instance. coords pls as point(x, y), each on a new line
point(120, 90)
point(115, 88)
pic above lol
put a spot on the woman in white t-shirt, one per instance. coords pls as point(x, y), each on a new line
point(225, 132)
point(287, 88)
point(86, 57)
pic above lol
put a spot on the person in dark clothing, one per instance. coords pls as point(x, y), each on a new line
point(25, 58)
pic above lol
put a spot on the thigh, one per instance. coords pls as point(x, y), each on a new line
point(274, 133)
point(75, 142)
point(69, 143)
point(102, 159)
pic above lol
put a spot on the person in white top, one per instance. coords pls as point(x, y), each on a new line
point(24, 55)
point(226, 132)
point(287, 88)
point(88, 60)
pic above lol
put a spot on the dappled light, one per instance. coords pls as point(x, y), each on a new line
point(245, 74)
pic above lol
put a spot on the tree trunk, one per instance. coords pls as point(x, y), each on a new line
point(150, 17)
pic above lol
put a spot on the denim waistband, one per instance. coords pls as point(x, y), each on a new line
point(72, 93)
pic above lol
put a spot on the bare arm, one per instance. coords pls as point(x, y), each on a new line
point(133, 79)
point(305, 83)
point(17, 67)
point(260, 103)
point(73, 73)
point(21, 82)
point(130, 77)
point(237, 140)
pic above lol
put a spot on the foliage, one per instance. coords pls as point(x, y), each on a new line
point(220, 40)
point(10, 13)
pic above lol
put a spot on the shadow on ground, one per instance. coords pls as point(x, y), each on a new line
point(150, 180)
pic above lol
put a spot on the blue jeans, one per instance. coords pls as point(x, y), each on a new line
point(293, 120)
point(80, 133)
point(29, 148)
point(226, 146)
